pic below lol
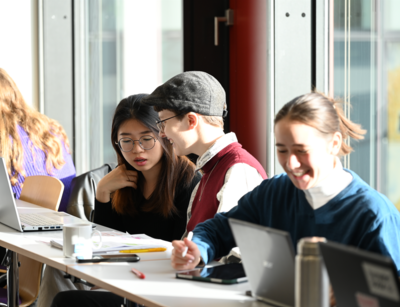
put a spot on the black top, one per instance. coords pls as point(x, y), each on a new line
point(152, 224)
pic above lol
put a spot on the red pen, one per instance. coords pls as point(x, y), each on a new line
point(138, 273)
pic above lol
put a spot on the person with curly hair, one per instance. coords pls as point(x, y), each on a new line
point(32, 143)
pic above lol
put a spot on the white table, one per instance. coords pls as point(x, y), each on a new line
point(160, 288)
point(36, 245)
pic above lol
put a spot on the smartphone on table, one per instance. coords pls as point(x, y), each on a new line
point(131, 258)
point(232, 273)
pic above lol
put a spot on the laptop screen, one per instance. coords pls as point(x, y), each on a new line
point(360, 278)
point(8, 209)
point(268, 260)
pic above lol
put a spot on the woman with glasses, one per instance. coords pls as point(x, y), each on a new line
point(148, 193)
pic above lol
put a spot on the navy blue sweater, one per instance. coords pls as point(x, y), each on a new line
point(358, 216)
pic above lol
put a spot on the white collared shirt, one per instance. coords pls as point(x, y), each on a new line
point(240, 179)
point(328, 188)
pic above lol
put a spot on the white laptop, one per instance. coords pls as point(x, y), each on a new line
point(24, 216)
point(268, 260)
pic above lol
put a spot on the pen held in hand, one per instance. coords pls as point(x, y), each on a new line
point(189, 237)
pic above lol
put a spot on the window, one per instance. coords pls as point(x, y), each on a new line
point(129, 47)
point(367, 74)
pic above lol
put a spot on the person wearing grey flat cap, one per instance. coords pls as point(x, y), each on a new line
point(191, 107)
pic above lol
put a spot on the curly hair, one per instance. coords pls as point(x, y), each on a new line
point(44, 133)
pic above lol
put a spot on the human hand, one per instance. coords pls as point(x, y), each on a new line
point(117, 179)
point(332, 300)
point(192, 258)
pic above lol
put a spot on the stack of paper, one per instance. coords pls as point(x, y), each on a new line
point(116, 242)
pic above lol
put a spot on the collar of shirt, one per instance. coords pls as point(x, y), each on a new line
point(331, 186)
point(215, 148)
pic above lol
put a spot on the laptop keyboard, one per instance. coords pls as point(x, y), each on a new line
point(38, 220)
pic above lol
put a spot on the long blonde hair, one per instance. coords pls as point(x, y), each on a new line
point(44, 133)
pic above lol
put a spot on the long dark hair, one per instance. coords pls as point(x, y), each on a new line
point(324, 114)
point(174, 170)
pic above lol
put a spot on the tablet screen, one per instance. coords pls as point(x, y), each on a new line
point(225, 272)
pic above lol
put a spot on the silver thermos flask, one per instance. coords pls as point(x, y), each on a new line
point(312, 281)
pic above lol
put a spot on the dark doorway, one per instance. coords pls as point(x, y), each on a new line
point(239, 63)
point(200, 53)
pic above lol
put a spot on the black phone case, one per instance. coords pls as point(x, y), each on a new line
point(133, 258)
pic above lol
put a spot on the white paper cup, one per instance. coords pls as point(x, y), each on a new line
point(77, 240)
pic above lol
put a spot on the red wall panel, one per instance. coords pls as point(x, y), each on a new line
point(248, 76)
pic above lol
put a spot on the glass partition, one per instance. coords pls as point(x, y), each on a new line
point(367, 74)
point(354, 77)
point(131, 47)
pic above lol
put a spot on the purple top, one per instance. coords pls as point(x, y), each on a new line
point(36, 165)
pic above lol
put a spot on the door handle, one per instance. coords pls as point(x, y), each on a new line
point(229, 22)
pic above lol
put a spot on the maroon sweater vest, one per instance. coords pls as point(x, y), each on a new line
point(207, 207)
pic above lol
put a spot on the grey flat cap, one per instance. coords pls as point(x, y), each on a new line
point(192, 91)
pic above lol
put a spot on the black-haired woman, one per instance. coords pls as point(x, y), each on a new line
point(148, 193)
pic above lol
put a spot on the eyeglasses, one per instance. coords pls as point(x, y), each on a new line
point(161, 123)
point(146, 142)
